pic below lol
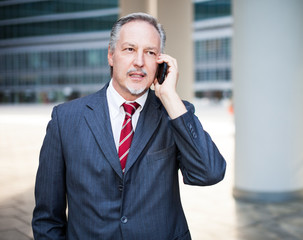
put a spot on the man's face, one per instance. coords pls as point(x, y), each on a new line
point(134, 59)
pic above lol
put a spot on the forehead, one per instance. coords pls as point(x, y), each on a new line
point(140, 32)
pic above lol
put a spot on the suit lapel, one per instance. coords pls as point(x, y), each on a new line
point(147, 124)
point(98, 120)
point(97, 117)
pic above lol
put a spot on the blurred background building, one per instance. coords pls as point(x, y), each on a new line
point(212, 48)
point(54, 51)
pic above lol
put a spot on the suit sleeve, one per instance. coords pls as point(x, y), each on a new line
point(200, 161)
point(49, 216)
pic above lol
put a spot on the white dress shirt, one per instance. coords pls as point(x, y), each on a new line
point(117, 113)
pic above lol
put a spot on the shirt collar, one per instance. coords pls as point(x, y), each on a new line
point(116, 100)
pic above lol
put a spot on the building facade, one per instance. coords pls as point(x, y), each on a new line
point(54, 51)
point(212, 37)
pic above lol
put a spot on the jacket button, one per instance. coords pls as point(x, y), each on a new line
point(124, 219)
point(120, 187)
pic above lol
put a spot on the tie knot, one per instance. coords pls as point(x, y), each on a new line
point(130, 108)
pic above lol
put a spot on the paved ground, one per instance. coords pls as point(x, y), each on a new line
point(212, 212)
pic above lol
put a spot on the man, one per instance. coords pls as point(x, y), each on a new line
point(131, 193)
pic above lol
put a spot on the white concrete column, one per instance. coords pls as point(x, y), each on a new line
point(131, 6)
point(268, 99)
point(176, 17)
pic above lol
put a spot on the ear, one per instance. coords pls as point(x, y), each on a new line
point(110, 56)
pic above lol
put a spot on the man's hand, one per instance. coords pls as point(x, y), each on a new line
point(166, 92)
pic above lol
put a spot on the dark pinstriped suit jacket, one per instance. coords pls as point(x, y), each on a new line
point(79, 167)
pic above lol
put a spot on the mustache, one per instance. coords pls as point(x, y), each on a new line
point(134, 70)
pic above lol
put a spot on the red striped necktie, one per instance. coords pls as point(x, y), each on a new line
point(127, 132)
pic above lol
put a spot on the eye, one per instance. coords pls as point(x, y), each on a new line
point(152, 53)
point(129, 49)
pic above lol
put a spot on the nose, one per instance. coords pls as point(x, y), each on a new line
point(139, 59)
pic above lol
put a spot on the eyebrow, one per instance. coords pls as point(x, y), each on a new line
point(134, 45)
point(153, 48)
point(128, 44)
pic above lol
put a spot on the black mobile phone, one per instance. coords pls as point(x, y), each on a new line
point(162, 71)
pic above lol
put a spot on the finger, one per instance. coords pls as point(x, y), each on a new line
point(171, 62)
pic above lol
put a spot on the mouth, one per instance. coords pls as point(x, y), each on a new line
point(137, 75)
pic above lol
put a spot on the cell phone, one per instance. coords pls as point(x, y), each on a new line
point(161, 73)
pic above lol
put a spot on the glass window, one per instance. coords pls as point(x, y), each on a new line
point(211, 9)
point(94, 57)
point(80, 58)
point(2, 63)
point(35, 61)
point(52, 7)
point(45, 60)
point(9, 62)
point(58, 27)
point(54, 60)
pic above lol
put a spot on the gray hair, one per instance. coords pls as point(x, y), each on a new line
point(114, 36)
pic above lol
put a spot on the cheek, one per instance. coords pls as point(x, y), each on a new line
point(154, 71)
point(153, 67)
